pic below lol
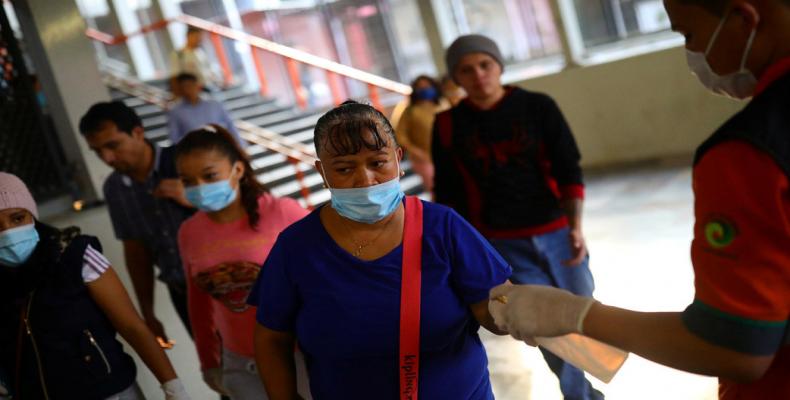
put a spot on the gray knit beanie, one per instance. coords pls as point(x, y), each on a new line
point(469, 44)
point(14, 194)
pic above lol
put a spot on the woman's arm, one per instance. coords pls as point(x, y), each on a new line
point(110, 295)
point(274, 355)
point(484, 318)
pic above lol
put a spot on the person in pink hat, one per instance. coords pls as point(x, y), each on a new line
point(61, 305)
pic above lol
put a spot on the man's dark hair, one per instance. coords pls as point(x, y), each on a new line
point(193, 29)
point(186, 77)
point(342, 129)
point(116, 112)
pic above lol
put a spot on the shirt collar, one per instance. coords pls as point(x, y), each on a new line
point(128, 181)
point(508, 91)
point(772, 74)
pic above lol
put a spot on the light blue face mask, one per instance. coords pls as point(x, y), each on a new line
point(369, 204)
point(17, 245)
point(211, 197)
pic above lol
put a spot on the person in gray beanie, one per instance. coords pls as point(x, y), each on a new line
point(58, 289)
point(469, 44)
point(506, 160)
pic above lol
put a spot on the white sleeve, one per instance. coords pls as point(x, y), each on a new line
point(94, 264)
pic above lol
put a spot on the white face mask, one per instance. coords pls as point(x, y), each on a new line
point(738, 85)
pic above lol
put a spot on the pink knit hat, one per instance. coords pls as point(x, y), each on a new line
point(14, 194)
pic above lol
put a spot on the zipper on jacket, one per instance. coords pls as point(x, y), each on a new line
point(98, 348)
point(35, 346)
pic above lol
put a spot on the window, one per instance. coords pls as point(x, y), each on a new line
point(609, 21)
point(523, 29)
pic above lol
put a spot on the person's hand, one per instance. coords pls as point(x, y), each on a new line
point(529, 311)
point(213, 378)
point(578, 248)
point(172, 189)
point(174, 390)
point(156, 327)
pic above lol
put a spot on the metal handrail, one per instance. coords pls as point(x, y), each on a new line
point(290, 54)
point(295, 152)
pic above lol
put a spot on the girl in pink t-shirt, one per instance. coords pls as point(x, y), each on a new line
point(222, 247)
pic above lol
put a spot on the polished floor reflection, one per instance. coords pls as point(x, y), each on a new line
point(638, 227)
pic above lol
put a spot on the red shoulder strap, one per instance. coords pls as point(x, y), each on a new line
point(411, 282)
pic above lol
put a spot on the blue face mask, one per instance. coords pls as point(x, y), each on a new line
point(17, 244)
point(429, 93)
point(370, 204)
point(211, 197)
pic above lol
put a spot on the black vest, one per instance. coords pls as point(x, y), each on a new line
point(71, 348)
point(765, 124)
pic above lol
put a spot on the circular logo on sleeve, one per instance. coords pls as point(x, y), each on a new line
point(720, 232)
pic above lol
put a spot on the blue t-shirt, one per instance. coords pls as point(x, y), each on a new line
point(345, 312)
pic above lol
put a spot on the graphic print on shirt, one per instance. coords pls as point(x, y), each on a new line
point(511, 150)
point(229, 283)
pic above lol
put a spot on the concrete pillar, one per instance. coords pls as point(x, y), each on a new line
point(54, 35)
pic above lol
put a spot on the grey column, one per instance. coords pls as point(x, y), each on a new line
point(64, 60)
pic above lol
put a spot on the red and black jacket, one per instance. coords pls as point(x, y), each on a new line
point(507, 168)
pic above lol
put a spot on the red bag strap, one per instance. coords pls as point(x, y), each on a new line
point(411, 282)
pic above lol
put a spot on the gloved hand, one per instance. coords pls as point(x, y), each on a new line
point(174, 390)
point(529, 311)
point(213, 378)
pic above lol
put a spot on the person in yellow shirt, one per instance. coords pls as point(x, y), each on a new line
point(415, 127)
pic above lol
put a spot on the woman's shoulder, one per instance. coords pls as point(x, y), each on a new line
point(287, 208)
point(303, 229)
point(437, 211)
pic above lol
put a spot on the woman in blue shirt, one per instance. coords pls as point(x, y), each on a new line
point(332, 282)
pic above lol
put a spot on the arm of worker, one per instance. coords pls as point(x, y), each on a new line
point(739, 316)
point(274, 355)
point(109, 294)
point(140, 264)
point(564, 155)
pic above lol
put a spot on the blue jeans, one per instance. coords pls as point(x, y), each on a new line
point(537, 260)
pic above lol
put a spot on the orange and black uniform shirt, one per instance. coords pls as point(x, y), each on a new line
point(741, 247)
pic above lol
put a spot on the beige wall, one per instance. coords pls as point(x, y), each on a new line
point(640, 108)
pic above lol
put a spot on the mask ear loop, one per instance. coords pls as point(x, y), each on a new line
point(748, 49)
point(323, 176)
point(716, 34)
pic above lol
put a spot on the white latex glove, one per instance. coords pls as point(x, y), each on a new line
point(174, 390)
point(530, 311)
point(213, 378)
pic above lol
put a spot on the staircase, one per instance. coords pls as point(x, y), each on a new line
point(272, 167)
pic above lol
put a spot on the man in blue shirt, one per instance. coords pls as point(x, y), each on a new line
point(194, 112)
point(146, 203)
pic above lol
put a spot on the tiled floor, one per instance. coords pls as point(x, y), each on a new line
point(638, 227)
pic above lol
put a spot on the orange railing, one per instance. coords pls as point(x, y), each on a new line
point(295, 152)
point(290, 56)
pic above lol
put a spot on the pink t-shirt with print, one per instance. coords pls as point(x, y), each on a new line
point(221, 263)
